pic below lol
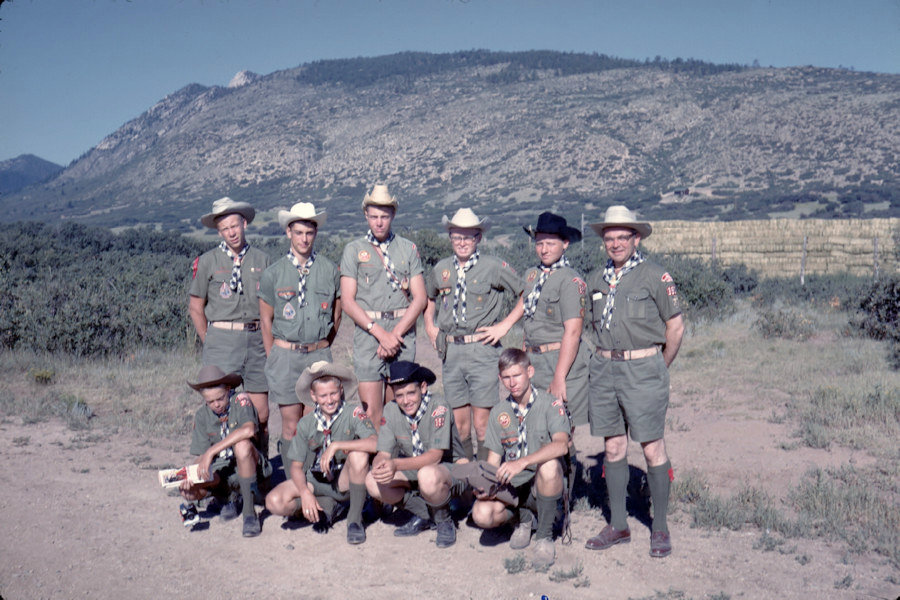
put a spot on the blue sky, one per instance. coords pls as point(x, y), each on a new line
point(73, 71)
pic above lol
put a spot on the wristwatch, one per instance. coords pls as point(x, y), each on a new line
point(370, 326)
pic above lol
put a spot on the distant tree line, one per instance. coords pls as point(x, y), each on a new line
point(362, 72)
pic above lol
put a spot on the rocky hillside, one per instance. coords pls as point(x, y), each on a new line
point(509, 133)
point(24, 170)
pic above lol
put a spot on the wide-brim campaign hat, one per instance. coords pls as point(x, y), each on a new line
point(211, 376)
point(301, 211)
point(323, 368)
point(227, 206)
point(553, 224)
point(619, 216)
point(465, 218)
point(380, 197)
point(404, 371)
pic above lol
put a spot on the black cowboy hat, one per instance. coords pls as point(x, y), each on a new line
point(553, 224)
point(212, 376)
point(404, 371)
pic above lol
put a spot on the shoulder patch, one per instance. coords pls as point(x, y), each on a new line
point(194, 267)
point(440, 410)
point(666, 277)
point(243, 399)
point(363, 256)
point(582, 286)
point(558, 402)
point(503, 420)
point(670, 290)
point(445, 275)
point(360, 414)
point(531, 276)
point(438, 422)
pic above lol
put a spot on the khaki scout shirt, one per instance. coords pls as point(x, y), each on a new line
point(562, 298)
point(208, 429)
point(485, 284)
point(279, 288)
point(645, 299)
point(362, 262)
point(546, 417)
point(212, 278)
point(437, 429)
point(351, 424)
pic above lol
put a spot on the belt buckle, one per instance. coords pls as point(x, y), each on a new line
point(459, 339)
point(252, 326)
point(617, 355)
point(388, 315)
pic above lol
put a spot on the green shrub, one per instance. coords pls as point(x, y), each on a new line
point(784, 324)
point(702, 287)
point(840, 290)
point(878, 316)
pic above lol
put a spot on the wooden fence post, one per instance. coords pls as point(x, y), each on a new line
point(875, 255)
point(803, 262)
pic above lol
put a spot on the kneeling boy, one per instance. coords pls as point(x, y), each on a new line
point(420, 432)
point(527, 435)
point(225, 439)
point(329, 454)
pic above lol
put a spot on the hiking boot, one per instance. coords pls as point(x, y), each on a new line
point(446, 534)
point(521, 536)
point(251, 525)
point(544, 554)
point(660, 544)
point(414, 526)
point(232, 509)
point(356, 533)
point(609, 536)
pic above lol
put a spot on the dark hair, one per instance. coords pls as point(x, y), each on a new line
point(325, 379)
point(306, 222)
point(511, 357)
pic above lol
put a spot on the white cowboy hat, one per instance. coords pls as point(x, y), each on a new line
point(380, 197)
point(323, 368)
point(464, 218)
point(301, 211)
point(620, 216)
point(227, 206)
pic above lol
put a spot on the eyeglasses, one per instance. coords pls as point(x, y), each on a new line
point(459, 239)
point(622, 239)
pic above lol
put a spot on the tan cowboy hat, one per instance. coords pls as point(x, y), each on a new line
point(227, 206)
point(620, 216)
point(301, 211)
point(212, 376)
point(324, 368)
point(380, 197)
point(466, 219)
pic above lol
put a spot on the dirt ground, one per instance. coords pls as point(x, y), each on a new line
point(84, 517)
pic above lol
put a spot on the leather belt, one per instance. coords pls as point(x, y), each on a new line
point(387, 315)
point(543, 348)
point(462, 339)
point(619, 355)
point(232, 326)
point(302, 348)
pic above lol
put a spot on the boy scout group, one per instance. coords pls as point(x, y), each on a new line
point(595, 351)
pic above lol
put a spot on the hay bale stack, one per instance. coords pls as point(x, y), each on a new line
point(775, 246)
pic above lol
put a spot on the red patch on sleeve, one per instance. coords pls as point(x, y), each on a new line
point(438, 422)
point(194, 267)
point(666, 277)
point(243, 399)
point(440, 410)
point(582, 286)
point(670, 290)
point(359, 413)
point(383, 422)
point(671, 474)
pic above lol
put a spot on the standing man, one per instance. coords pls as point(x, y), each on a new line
point(383, 291)
point(416, 446)
point(224, 437)
point(637, 327)
point(331, 453)
point(527, 435)
point(300, 312)
point(465, 291)
point(224, 308)
point(554, 316)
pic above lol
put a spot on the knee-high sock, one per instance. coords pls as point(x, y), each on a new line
point(617, 488)
point(285, 461)
point(440, 512)
point(246, 484)
point(415, 504)
point(547, 511)
point(482, 451)
point(357, 501)
point(660, 482)
point(467, 448)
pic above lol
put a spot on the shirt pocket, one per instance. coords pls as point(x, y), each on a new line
point(548, 306)
point(477, 296)
point(637, 304)
point(369, 274)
